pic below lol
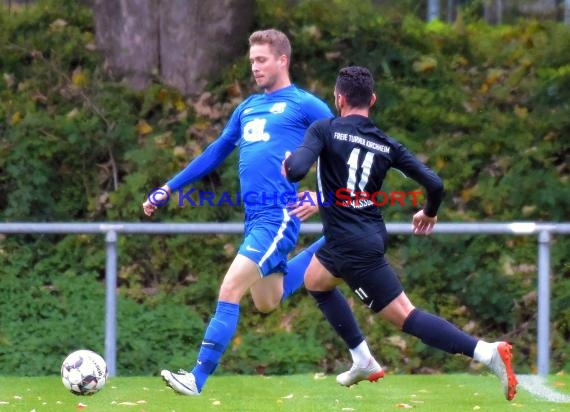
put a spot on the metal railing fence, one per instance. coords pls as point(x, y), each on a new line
point(111, 230)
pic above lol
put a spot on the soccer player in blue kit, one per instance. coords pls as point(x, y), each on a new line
point(353, 156)
point(265, 127)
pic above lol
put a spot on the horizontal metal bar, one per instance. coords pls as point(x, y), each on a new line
point(508, 228)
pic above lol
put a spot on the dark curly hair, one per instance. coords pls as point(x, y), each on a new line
point(356, 84)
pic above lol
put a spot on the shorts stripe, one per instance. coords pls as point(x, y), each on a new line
point(277, 238)
point(319, 182)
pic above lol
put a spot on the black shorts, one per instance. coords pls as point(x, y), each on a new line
point(360, 262)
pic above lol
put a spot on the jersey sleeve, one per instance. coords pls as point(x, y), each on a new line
point(298, 164)
point(213, 156)
point(316, 109)
point(413, 168)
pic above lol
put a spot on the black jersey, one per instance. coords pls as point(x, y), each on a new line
point(353, 157)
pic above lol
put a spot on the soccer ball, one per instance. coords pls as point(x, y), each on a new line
point(84, 372)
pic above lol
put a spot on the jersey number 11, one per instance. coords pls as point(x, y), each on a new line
point(353, 167)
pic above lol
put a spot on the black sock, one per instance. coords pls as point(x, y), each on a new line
point(439, 333)
point(336, 310)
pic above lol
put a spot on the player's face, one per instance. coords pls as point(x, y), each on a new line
point(269, 71)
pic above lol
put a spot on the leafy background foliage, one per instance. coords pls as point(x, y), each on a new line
point(487, 107)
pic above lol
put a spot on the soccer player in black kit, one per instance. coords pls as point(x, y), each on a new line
point(353, 157)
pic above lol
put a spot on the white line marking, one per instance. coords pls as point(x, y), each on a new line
point(538, 387)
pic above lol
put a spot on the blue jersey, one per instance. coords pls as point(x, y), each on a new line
point(265, 127)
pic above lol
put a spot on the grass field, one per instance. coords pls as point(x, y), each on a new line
point(299, 393)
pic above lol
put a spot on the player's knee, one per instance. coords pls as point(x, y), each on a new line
point(311, 281)
point(397, 311)
point(310, 284)
point(267, 305)
point(316, 283)
point(230, 293)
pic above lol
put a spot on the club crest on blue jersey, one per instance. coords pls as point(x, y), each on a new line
point(278, 108)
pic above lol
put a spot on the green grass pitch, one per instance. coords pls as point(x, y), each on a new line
point(298, 393)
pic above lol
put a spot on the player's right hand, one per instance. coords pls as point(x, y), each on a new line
point(155, 198)
point(305, 208)
point(422, 225)
point(148, 208)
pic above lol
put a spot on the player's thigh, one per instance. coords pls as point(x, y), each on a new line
point(318, 278)
point(268, 241)
point(267, 291)
point(242, 274)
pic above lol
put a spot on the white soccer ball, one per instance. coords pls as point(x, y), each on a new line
point(84, 372)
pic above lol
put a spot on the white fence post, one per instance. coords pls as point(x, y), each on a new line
point(111, 302)
point(543, 316)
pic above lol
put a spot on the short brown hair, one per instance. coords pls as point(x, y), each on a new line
point(277, 41)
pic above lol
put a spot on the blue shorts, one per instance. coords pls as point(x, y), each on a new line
point(269, 237)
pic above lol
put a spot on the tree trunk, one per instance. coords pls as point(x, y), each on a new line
point(493, 11)
point(126, 32)
point(184, 42)
point(433, 10)
point(199, 38)
point(451, 11)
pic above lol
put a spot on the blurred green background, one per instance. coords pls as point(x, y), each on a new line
point(486, 105)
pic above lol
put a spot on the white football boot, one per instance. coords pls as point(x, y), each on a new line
point(500, 364)
point(371, 372)
point(182, 382)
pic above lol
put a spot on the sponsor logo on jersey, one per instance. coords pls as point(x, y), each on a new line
point(254, 131)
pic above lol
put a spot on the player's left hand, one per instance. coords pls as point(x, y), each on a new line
point(423, 225)
point(306, 207)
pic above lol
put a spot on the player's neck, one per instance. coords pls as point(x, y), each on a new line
point(348, 111)
point(279, 85)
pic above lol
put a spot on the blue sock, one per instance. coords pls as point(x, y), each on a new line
point(297, 266)
point(336, 310)
point(216, 339)
point(439, 333)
